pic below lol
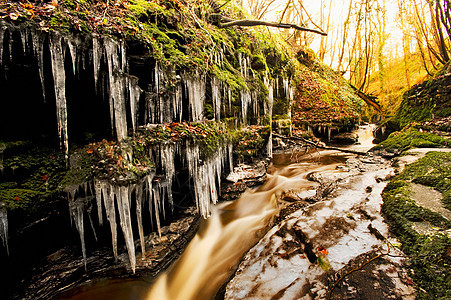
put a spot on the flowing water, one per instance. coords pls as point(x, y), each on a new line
point(233, 228)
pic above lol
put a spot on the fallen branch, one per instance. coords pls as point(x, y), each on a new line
point(317, 144)
point(370, 100)
point(229, 22)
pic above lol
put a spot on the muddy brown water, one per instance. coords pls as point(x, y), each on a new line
point(233, 228)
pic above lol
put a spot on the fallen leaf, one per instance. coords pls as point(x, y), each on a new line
point(16, 198)
point(13, 16)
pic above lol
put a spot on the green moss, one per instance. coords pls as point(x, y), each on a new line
point(409, 138)
point(429, 254)
point(250, 142)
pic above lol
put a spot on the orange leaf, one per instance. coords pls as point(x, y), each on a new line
point(16, 198)
point(89, 151)
point(325, 251)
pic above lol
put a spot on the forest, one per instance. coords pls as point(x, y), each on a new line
point(225, 149)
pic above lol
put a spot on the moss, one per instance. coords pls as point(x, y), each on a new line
point(250, 142)
point(429, 254)
point(409, 138)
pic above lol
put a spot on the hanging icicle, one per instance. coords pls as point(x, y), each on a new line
point(4, 227)
point(59, 78)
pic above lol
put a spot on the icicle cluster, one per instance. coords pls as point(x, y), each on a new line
point(4, 227)
point(195, 86)
point(161, 106)
point(244, 64)
point(206, 175)
point(154, 191)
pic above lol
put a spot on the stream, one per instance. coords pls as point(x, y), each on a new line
point(217, 249)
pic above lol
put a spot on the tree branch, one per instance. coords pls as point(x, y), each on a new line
point(232, 22)
point(298, 138)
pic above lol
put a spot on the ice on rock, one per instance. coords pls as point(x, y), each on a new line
point(4, 227)
point(59, 78)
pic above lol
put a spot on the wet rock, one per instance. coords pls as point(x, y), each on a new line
point(242, 177)
point(346, 138)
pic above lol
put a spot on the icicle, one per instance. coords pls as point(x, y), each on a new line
point(23, 38)
point(167, 164)
point(156, 205)
point(76, 208)
point(178, 103)
point(98, 192)
point(216, 97)
point(2, 149)
point(246, 100)
point(10, 46)
point(96, 56)
point(108, 200)
point(135, 94)
point(123, 203)
point(117, 82)
point(229, 95)
point(254, 102)
point(196, 96)
point(59, 78)
point(72, 44)
point(4, 227)
point(38, 46)
point(2, 37)
point(139, 205)
point(91, 222)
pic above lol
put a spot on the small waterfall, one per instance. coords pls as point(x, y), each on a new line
point(212, 254)
point(4, 227)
